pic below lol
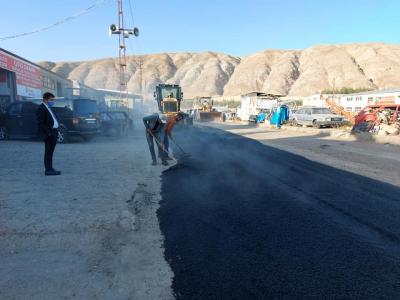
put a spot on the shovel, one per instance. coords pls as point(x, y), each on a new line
point(184, 153)
point(163, 148)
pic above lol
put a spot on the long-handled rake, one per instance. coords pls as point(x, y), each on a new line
point(184, 153)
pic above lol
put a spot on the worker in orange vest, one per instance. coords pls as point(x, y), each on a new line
point(171, 121)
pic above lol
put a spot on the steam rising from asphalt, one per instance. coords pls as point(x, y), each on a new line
point(143, 108)
point(227, 154)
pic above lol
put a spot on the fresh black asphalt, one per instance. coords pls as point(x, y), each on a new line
point(243, 220)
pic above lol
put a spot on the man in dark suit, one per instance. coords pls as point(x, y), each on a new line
point(48, 129)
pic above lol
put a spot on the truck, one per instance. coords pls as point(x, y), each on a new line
point(169, 98)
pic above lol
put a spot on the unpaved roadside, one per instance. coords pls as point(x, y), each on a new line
point(377, 161)
point(91, 233)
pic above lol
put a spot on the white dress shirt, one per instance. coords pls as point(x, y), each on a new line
point(55, 122)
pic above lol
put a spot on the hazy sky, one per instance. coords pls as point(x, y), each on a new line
point(237, 27)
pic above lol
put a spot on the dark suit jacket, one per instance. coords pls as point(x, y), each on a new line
point(45, 122)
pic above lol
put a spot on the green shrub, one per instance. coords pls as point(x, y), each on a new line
point(345, 90)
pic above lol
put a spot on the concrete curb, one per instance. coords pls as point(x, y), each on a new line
point(347, 134)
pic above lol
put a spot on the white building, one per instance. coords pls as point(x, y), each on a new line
point(80, 90)
point(252, 103)
point(113, 100)
point(356, 102)
point(134, 104)
point(319, 100)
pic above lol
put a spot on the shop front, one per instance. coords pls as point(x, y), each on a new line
point(19, 79)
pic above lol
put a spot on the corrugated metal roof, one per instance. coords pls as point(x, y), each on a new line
point(261, 94)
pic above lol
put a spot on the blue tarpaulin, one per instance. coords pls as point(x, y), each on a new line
point(261, 117)
point(280, 115)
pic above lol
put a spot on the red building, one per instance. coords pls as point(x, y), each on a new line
point(21, 79)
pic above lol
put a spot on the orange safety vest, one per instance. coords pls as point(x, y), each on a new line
point(170, 124)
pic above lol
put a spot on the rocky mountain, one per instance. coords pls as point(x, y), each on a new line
point(287, 72)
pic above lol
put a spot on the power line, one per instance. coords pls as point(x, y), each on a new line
point(131, 11)
point(137, 40)
point(60, 22)
point(139, 61)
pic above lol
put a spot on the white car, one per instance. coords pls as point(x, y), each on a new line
point(317, 117)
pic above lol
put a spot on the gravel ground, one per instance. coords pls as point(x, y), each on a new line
point(373, 160)
point(91, 233)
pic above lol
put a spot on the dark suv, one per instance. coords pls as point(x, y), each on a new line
point(77, 117)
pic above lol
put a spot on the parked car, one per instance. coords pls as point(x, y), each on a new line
point(263, 115)
point(77, 117)
point(19, 121)
point(374, 114)
point(253, 119)
point(114, 123)
point(317, 117)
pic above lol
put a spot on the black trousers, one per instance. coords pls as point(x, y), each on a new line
point(49, 145)
point(161, 153)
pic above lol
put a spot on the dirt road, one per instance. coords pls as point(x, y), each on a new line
point(91, 233)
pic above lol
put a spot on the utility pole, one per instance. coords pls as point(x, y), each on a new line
point(140, 64)
point(123, 34)
point(141, 82)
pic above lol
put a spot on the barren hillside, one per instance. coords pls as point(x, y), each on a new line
point(296, 73)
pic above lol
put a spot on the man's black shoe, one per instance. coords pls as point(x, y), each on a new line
point(165, 163)
point(52, 173)
point(154, 163)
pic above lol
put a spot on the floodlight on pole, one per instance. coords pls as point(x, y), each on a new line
point(123, 33)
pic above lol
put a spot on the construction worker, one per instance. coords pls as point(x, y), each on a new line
point(172, 121)
point(155, 128)
point(170, 125)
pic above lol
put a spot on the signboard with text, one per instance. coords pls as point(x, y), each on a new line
point(27, 75)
